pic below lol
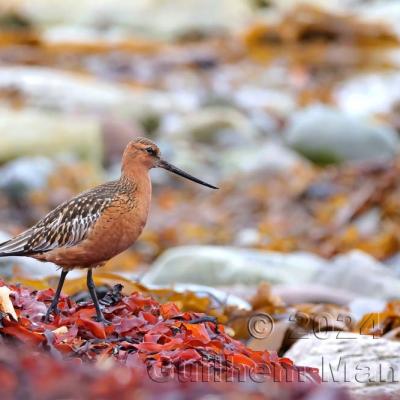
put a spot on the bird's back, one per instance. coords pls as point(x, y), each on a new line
point(65, 226)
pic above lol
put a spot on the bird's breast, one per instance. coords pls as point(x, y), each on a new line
point(121, 224)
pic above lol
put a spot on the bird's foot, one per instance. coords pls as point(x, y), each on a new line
point(100, 318)
point(50, 310)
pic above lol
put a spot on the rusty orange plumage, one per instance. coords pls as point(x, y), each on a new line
point(93, 227)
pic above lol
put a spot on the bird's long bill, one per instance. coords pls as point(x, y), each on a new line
point(166, 165)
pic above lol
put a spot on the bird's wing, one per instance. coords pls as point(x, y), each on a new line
point(65, 226)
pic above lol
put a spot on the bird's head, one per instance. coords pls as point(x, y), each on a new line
point(146, 153)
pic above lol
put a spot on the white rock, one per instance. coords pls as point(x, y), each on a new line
point(223, 266)
point(68, 92)
point(326, 135)
point(28, 172)
point(312, 293)
point(269, 156)
point(205, 125)
point(362, 275)
point(365, 305)
point(278, 100)
point(247, 237)
point(368, 366)
point(221, 296)
point(28, 132)
point(350, 95)
point(146, 17)
point(368, 223)
point(387, 12)
point(25, 266)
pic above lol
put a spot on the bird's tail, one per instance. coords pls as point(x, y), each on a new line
point(16, 246)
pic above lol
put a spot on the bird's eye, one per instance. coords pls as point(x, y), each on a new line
point(150, 151)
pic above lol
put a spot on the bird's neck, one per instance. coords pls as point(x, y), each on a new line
point(137, 176)
point(135, 186)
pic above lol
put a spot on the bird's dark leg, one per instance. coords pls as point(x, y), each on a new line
point(92, 290)
point(54, 302)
